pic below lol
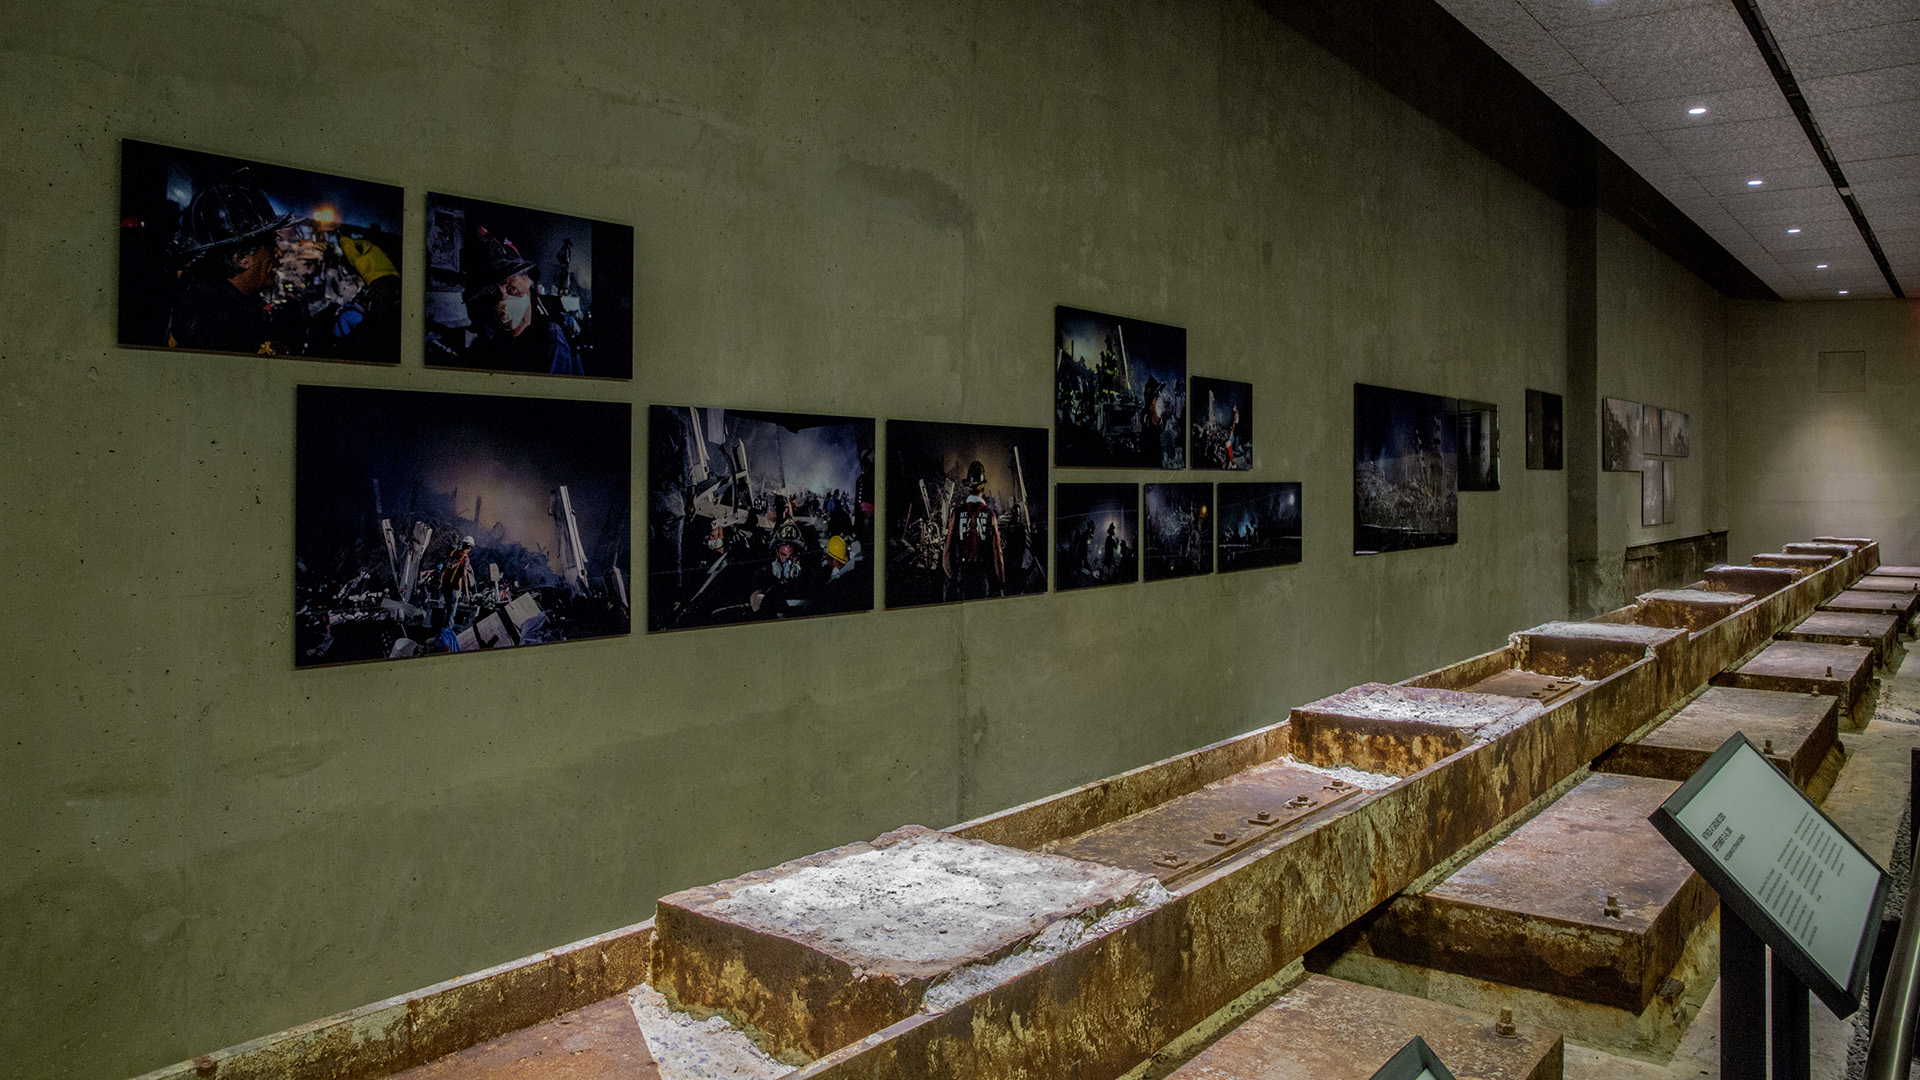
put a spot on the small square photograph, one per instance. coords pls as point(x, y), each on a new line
point(1222, 424)
point(966, 512)
point(1119, 392)
point(1477, 436)
point(1676, 436)
point(1179, 530)
point(1097, 534)
point(225, 255)
point(1259, 524)
point(528, 291)
point(1620, 426)
point(1546, 447)
point(428, 523)
point(753, 516)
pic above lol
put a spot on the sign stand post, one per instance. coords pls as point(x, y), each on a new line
point(1796, 894)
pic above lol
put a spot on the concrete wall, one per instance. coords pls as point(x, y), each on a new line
point(1661, 340)
point(840, 206)
point(1835, 453)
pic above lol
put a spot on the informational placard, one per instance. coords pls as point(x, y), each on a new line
point(1415, 1061)
point(1782, 867)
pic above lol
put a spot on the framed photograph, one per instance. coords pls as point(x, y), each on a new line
point(1620, 427)
point(966, 512)
point(1259, 524)
point(1119, 392)
point(1222, 424)
point(224, 255)
point(754, 516)
point(1676, 437)
point(1406, 479)
point(1096, 530)
point(432, 523)
point(1179, 530)
point(527, 291)
point(1477, 435)
point(1656, 492)
point(1546, 437)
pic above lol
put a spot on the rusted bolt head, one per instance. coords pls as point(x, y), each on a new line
point(1766, 746)
point(1219, 836)
point(1338, 785)
point(204, 1065)
point(1829, 671)
point(1504, 1027)
point(1612, 910)
point(1264, 816)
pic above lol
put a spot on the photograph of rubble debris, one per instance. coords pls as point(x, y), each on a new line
point(1222, 424)
point(1119, 392)
point(514, 289)
point(1179, 530)
point(1097, 534)
point(429, 523)
point(1656, 492)
point(1546, 433)
point(222, 255)
point(756, 515)
point(1620, 426)
point(966, 512)
point(1259, 524)
point(1477, 437)
point(1676, 436)
point(1406, 477)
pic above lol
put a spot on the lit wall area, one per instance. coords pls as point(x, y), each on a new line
point(1825, 431)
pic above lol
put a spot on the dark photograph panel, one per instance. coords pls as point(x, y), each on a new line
point(1405, 470)
point(1097, 531)
point(1259, 525)
point(513, 289)
point(1676, 433)
point(756, 515)
point(967, 512)
point(1119, 392)
point(432, 523)
point(222, 255)
point(1222, 424)
point(1477, 435)
point(1620, 424)
point(1179, 530)
point(1546, 447)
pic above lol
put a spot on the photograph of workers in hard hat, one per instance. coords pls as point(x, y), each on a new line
point(429, 523)
point(1096, 530)
point(1222, 424)
point(966, 512)
point(756, 515)
point(1179, 530)
point(1259, 524)
point(222, 255)
point(530, 291)
point(1119, 392)
point(1406, 470)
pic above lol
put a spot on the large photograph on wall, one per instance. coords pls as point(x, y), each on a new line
point(1179, 530)
point(513, 289)
point(756, 515)
point(1097, 534)
point(1222, 424)
point(223, 255)
point(432, 523)
point(1259, 525)
point(1405, 470)
point(1119, 392)
point(966, 512)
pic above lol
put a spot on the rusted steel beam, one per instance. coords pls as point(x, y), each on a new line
point(1801, 563)
point(1687, 609)
point(1399, 730)
point(1881, 633)
point(1805, 667)
point(1795, 731)
point(1897, 571)
point(1838, 551)
point(599, 1042)
point(1330, 1029)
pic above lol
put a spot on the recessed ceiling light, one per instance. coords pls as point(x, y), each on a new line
point(1819, 266)
point(1791, 232)
point(1697, 110)
point(1843, 292)
point(1753, 183)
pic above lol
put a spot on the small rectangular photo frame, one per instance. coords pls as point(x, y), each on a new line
point(966, 512)
point(1222, 413)
point(1546, 431)
point(1781, 866)
point(1179, 531)
point(1259, 524)
point(1097, 535)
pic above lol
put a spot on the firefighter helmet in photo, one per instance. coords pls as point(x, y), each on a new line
point(234, 213)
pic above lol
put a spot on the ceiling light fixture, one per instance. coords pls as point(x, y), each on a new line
point(1819, 266)
point(1697, 110)
point(1753, 183)
point(1843, 292)
point(1792, 232)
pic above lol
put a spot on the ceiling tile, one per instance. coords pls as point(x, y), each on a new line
point(1894, 45)
point(1790, 19)
point(1900, 83)
point(1515, 35)
point(1557, 15)
point(1878, 169)
point(1760, 101)
point(1782, 132)
point(1779, 184)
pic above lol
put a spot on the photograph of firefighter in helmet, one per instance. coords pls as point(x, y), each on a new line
point(429, 523)
point(529, 291)
point(966, 510)
point(222, 255)
point(1119, 392)
point(754, 516)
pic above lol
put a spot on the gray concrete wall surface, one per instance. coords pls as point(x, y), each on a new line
point(840, 206)
point(1824, 398)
